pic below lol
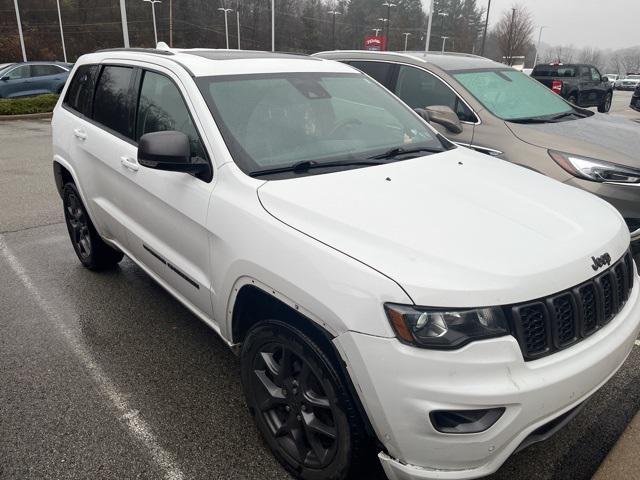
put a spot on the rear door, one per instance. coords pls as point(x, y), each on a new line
point(167, 210)
point(103, 137)
point(599, 88)
point(47, 78)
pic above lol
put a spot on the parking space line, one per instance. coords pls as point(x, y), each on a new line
point(130, 417)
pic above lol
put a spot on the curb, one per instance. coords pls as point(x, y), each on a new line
point(27, 116)
point(623, 461)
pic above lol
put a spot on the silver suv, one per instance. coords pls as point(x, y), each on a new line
point(497, 110)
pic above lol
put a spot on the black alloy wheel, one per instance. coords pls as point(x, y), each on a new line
point(606, 104)
point(302, 406)
point(92, 251)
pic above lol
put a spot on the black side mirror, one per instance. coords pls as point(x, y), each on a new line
point(168, 150)
point(605, 79)
point(445, 116)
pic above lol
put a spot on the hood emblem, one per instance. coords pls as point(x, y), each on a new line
point(600, 261)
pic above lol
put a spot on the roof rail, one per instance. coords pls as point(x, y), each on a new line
point(153, 51)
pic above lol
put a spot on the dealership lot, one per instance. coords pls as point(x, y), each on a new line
point(107, 376)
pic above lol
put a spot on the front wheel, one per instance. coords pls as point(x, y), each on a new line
point(605, 106)
point(92, 251)
point(301, 406)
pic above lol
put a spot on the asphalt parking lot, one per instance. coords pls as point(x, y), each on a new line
point(106, 376)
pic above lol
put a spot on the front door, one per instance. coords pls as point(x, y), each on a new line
point(167, 210)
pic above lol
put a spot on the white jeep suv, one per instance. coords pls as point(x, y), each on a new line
point(387, 291)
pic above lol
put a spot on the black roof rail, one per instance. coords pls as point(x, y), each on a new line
point(138, 50)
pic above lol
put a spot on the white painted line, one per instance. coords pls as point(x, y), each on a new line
point(137, 427)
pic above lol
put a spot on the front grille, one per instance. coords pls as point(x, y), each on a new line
point(553, 323)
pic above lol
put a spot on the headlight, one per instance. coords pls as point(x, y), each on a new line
point(445, 329)
point(595, 170)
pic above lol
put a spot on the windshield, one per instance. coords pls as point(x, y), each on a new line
point(4, 68)
point(634, 77)
point(512, 95)
point(281, 121)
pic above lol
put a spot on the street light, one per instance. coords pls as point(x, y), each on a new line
point(123, 18)
point(406, 39)
point(444, 41)
point(238, 21)
point(334, 13)
point(388, 4)
point(535, 60)
point(273, 25)
point(377, 30)
point(428, 39)
point(153, 11)
point(24, 51)
point(486, 26)
point(64, 49)
point(226, 25)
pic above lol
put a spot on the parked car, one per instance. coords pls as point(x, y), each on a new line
point(33, 78)
point(342, 247)
point(581, 85)
point(612, 77)
point(503, 113)
point(635, 100)
point(630, 82)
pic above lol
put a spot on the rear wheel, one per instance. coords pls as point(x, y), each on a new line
point(605, 106)
point(301, 405)
point(92, 251)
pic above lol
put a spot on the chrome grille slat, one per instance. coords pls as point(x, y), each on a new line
point(550, 324)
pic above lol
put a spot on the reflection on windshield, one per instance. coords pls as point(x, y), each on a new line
point(512, 95)
point(276, 121)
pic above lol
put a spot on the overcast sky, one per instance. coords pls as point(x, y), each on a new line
point(596, 23)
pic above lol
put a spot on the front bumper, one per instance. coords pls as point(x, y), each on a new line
point(626, 199)
point(399, 385)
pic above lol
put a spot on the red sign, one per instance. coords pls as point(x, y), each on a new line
point(375, 43)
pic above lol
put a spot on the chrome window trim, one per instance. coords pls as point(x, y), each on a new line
point(479, 122)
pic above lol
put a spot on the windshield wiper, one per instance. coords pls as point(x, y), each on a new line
point(306, 165)
point(548, 119)
point(394, 152)
point(568, 114)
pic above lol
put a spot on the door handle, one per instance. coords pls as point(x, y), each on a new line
point(129, 163)
point(79, 133)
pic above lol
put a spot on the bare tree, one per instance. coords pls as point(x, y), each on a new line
point(592, 56)
point(514, 31)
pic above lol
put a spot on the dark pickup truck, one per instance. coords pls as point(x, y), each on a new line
point(580, 84)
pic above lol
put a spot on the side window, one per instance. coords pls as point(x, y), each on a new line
point(18, 73)
point(420, 89)
point(112, 102)
point(161, 107)
point(80, 92)
point(43, 70)
point(380, 71)
point(584, 72)
point(595, 75)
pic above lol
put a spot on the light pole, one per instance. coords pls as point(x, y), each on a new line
point(444, 41)
point(535, 60)
point(486, 25)
point(171, 23)
point(273, 25)
point(153, 12)
point(226, 25)
point(238, 21)
point(388, 4)
point(406, 39)
point(334, 13)
point(428, 39)
point(64, 49)
point(123, 18)
point(24, 51)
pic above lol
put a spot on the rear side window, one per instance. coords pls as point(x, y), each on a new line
point(568, 71)
point(80, 92)
point(420, 89)
point(112, 101)
point(380, 71)
point(161, 107)
point(43, 70)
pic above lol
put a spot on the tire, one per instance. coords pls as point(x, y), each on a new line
point(91, 250)
point(302, 407)
point(605, 106)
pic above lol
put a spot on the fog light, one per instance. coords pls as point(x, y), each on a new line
point(465, 421)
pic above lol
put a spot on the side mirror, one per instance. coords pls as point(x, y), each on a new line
point(443, 115)
point(168, 150)
point(605, 79)
point(423, 113)
point(5, 79)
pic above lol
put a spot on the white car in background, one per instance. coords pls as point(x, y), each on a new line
point(322, 228)
point(630, 82)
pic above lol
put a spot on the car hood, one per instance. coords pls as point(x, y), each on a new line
point(600, 136)
point(457, 229)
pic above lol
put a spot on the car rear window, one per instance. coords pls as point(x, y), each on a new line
point(80, 92)
point(555, 71)
point(113, 101)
